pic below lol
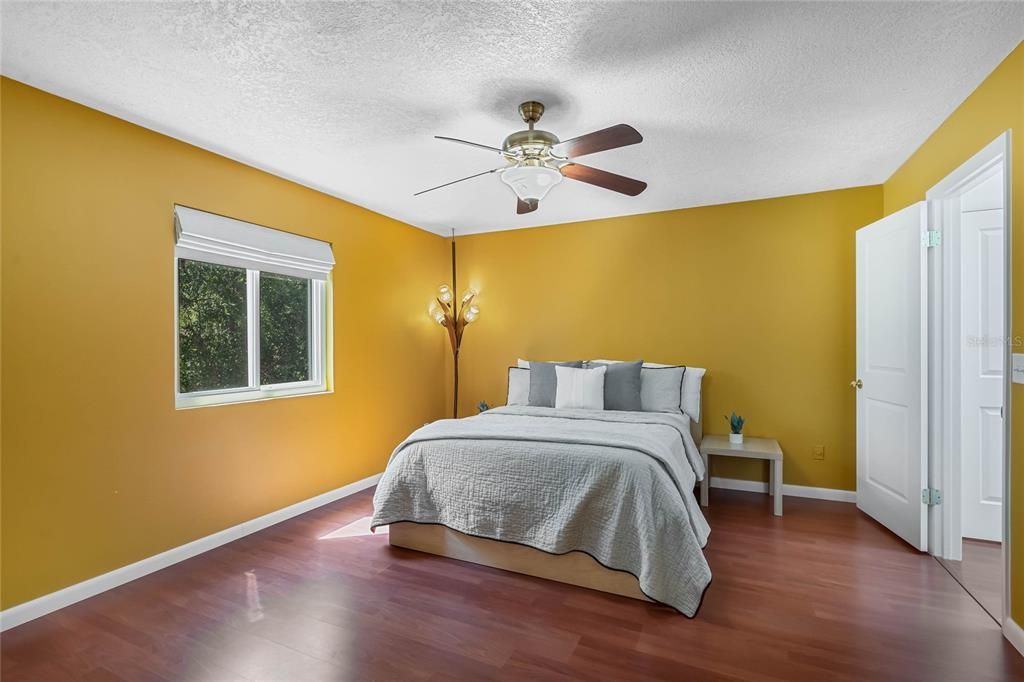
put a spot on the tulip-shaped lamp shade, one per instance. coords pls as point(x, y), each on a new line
point(444, 293)
point(454, 320)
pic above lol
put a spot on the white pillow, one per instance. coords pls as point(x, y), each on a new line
point(518, 386)
point(579, 388)
point(692, 381)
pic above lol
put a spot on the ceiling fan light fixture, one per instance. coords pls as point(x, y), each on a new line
point(531, 183)
point(539, 160)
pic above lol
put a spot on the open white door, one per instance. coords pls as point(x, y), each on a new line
point(982, 301)
point(892, 362)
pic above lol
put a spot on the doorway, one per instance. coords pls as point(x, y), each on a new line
point(969, 212)
point(933, 374)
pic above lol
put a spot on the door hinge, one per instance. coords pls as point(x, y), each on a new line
point(931, 496)
point(931, 239)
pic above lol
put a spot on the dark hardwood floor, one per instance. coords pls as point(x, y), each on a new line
point(821, 593)
point(981, 573)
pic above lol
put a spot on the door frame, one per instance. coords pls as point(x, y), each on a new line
point(945, 520)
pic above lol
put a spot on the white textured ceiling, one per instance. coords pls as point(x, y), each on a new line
point(735, 101)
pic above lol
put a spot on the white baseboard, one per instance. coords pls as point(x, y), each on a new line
point(1015, 634)
point(832, 494)
point(22, 613)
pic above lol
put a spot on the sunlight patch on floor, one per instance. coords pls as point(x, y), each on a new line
point(358, 528)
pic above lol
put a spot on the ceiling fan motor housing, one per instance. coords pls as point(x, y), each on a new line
point(531, 143)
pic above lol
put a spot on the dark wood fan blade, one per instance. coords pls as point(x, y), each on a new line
point(621, 135)
point(527, 206)
point(469, 177)
point(595, 176)
point(471, 144)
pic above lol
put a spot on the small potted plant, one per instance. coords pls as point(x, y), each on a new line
point(735, 428)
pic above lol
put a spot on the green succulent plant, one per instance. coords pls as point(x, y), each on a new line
point(735, 422)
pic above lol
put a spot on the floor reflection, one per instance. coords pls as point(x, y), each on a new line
point(358, 528)
point(981, 574)
point(252, 597)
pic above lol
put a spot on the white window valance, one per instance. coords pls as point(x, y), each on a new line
point(216, 239)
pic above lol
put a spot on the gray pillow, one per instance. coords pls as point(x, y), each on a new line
point(543, 381)
point(661, 389)
point(621, 385)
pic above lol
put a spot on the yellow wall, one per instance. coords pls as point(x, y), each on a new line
point(995, 106)
point(760, 293)
point(99, 469)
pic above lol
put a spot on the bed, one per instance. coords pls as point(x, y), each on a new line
point(600, 499)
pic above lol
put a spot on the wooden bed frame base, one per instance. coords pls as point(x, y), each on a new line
point(574, 568)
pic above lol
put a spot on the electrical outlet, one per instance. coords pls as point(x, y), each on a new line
point(1017, 368)
point(818, 452)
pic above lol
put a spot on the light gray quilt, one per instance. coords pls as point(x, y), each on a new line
point(616, 485)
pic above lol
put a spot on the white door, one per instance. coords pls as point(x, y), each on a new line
point(892, 361)
point(983, 332)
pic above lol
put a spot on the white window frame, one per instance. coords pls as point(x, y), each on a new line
point(319, 341)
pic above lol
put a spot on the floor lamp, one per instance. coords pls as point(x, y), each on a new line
point(454, 320)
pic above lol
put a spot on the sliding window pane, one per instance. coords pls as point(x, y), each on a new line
point(284, 329)
point(212, 330)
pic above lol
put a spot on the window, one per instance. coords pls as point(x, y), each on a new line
point(213, 327)
point(284, 329)
point(251, 311)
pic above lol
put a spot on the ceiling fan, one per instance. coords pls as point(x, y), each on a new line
point(538, 160)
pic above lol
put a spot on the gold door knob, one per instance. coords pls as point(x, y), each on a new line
point(857, 384)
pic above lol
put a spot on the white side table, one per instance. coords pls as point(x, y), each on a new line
point(754, 448)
